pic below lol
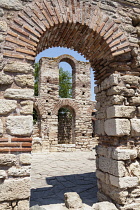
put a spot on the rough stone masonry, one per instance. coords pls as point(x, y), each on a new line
point(48, 103)
point(107, 33)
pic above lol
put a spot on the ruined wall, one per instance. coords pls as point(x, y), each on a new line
point(118, 153)
point(107, 33)
point(48, 103)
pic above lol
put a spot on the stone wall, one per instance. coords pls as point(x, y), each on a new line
point(15, 181)
point(118, 124)
point(48, 103)
point(107, 34)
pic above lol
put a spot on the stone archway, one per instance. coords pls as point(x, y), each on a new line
point(103, 33)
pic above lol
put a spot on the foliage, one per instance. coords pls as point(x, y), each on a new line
point(36, 76)
point(65, 84)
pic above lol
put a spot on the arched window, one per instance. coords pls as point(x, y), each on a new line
point(66, 78)
point(66, 125)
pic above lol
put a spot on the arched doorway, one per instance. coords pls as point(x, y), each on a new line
point(66, 125)
point(105, 40)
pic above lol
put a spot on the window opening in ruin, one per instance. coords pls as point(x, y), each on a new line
point(66, 126)
point(57, 51)
point(65, 80)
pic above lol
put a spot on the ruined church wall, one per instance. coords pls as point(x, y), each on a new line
point(19, 39)
point(48, 103)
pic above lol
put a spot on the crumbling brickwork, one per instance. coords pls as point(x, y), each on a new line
point(107, 33)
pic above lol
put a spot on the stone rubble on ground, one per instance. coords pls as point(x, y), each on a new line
point(73, 201)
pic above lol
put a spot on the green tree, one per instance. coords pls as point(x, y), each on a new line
point(65, 84)
point(36, 78)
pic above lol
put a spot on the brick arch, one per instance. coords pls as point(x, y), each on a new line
point(67, 58)
point(78, 25)
point(66, 103)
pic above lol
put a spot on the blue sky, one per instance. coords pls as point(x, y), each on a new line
point(57, 51)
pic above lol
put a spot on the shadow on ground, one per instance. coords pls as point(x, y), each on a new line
point(84, 184)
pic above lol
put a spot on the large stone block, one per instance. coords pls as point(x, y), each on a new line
point(135, 127)
point(118, 90)
point(101, 150)
point(7, 159)
point(101, 175)
point(121, 111)
point(134, 101)
point(23, 205)
point(115, 90)
point(117, 127)
point(1, 38)
point(117, 194)
point(19, 125)
point(3, 174)
point(26, 107)
point(19, 172)
point(129, 79)
point(73, 200)
point(19, 93)
point(5, 79)
point(124, 154)
point(24, 80)
point(1, 12)
point(15, 189)
point(124, 182)
point(19, 67)
point(105, 205)
point(25, 159)
point(3, 26)
point(116, 99)
point(110, 81)
point(135, 169)
point(1, 127)
point(7, 106)
point(11, 4)
point(116, 168)
point(5, 206)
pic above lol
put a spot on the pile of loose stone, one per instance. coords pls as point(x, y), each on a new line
point(74, 202)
